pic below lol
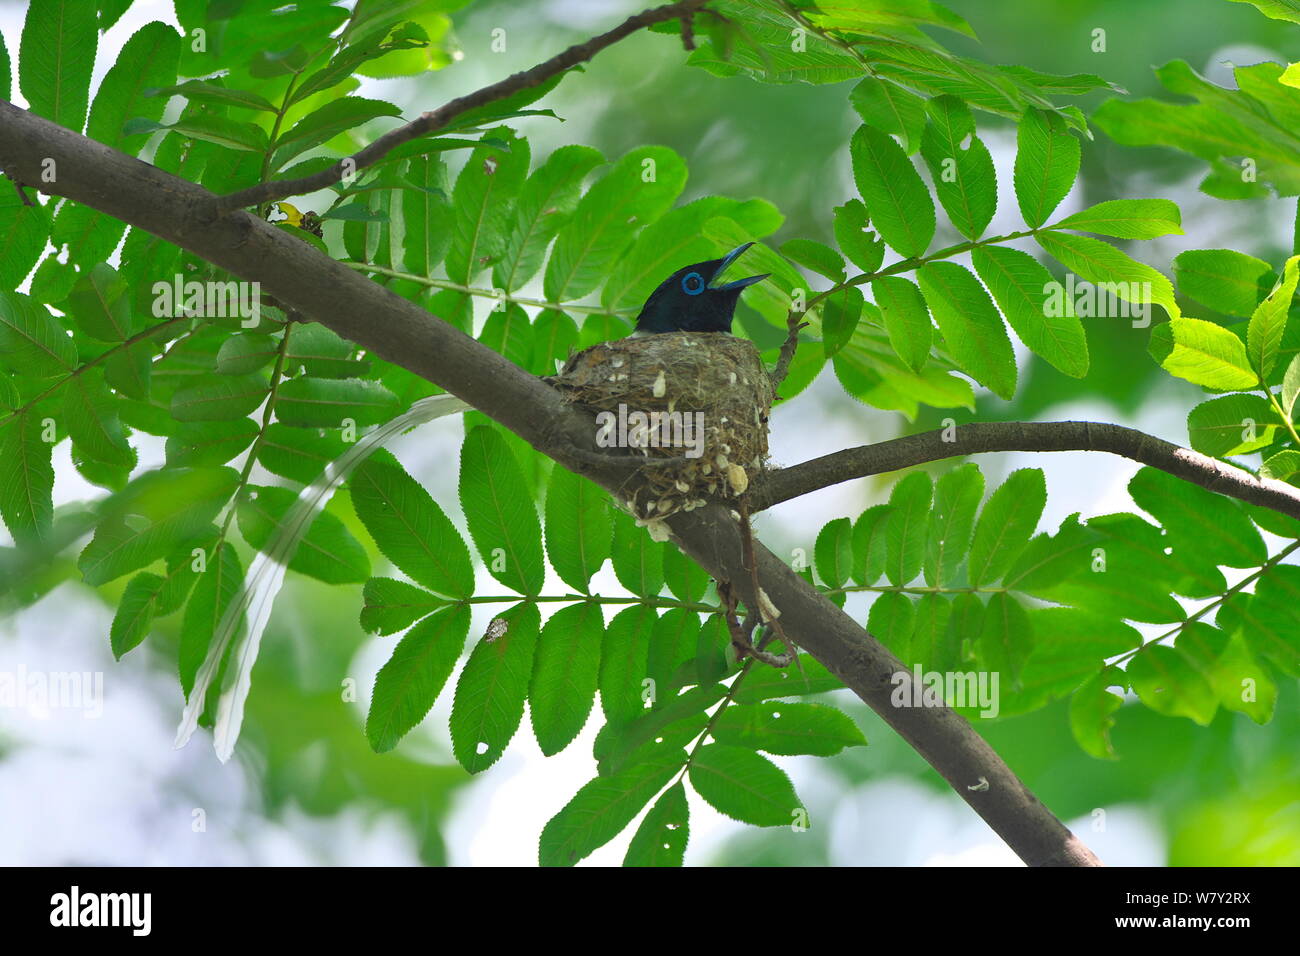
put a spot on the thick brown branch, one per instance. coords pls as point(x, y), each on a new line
point(434, 120)
point(978, 438)
point(401, 332)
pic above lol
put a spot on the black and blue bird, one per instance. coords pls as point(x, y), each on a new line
point(689, 300)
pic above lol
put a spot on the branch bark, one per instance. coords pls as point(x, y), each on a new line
point(434, 120)
point(981, 437)
point(397, 330)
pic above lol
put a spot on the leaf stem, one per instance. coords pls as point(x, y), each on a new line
point(98, 359)
point(484, 293)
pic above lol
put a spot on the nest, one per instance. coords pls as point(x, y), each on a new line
point(694, 403)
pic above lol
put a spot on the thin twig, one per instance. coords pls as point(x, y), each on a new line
point(434, 120)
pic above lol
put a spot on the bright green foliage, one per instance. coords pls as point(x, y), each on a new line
point(540, 255)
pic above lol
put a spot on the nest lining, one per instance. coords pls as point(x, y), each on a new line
point(696, 401)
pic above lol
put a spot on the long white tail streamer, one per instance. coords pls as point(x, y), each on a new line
point(265, 575)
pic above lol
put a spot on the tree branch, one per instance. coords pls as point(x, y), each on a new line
point(434, 120)
point(405, 334)
point(978, 438)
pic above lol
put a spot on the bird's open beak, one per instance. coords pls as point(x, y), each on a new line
point(727, 260)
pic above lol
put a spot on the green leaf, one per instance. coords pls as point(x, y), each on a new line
point(841, 312)
point(1115, 273)
point(891, 620)
point(1116, 565)
point(166, 508)
point(408, 684)
point(1271, 619)
point(90, 414)
point(393, 605)
point(135, 612)
point(410, 529)
point(1282, 467)
point(1206, 354)
point(1276, 9)
point(545, 203)
point(1231, 425)
point(972, 328)
point(637, 558)
point(1227, 281)
point(744, 786)
point(321, 352)
point(500, 512)
point(685, 579)
point(31, 340)
point(214, 92)
point(1291, 387)
point(481, 201)
point(426, 215)
point(297, 453)
point(326, 122)
point(1267, 323)
point(1127, 219)
point(666, 726)
point(1251, 120)
point(809, 676)
point(1240, 682)
point(565, 673)
point(863, 247)
point(313, 402)
point(905, 533)
point(907, 321)
point(216, 587)
point(1047, 162)
point(209, 128)
point(674, 646)
point(834, 552)
point(869, 544)
point(899, 202)
point(957, 497)
point(936, 642)
point(55, 58)
point(578, 527)
point(1045, 322)
point(1168, 682)
point(26, 476)
point(1007, 637)
point(766, 53)
point(890, 108)
point(246, 352)
point(639, 188)
point(623, 662)
point(489, 702)
point(1069, 644)
point(1008, 519)
point(785, 728)
point(661, 838)
point(603, 807)
point(23, 232)
point(960, 165)
point(327, 552)
point(820, 258)
point(219, 399)
point(1198, 521)
point(1091, 708)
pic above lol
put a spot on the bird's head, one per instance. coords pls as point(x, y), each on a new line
point(690, 300)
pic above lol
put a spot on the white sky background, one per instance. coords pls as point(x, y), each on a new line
point(113, 791)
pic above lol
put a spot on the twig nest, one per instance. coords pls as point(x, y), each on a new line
point(695, 404)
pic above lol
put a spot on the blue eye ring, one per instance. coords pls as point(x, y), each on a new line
point(693, 283)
